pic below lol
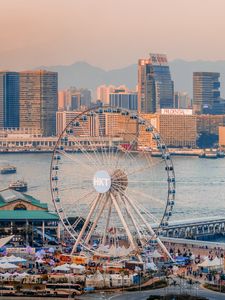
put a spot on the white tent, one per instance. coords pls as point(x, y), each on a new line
point(5, 240)
point(62, 268)
point(79, 269)
point(4, 260)
point(96, 280)
point(205, 264)
point(6, 275)
point(156, 254)
point(14, 259)
point(212, 264)
point(151, 266)
point(8, 266)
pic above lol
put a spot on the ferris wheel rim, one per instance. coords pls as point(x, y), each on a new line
point(168, 163)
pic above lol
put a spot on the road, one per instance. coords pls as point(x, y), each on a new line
point(143, 295)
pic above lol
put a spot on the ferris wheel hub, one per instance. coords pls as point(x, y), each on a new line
point(119, 180)
point(102, 181)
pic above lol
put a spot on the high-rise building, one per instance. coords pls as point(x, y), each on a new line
point(155, 86)
point(206, 90)
point(9, 99)
point(39, 100)
point(120, 98)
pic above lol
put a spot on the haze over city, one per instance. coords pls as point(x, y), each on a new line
point(109, 34)
point(112, 149)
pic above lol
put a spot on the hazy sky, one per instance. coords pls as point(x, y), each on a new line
point(108, 33)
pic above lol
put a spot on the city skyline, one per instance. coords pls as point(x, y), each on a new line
point(33, 35)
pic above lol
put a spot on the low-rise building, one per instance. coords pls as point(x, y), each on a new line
point(26, 218)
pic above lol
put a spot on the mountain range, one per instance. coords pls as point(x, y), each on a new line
point(82, 74)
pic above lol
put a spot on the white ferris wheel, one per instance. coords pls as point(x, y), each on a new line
point(112, 196)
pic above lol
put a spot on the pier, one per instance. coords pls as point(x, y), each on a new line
point(195, 229)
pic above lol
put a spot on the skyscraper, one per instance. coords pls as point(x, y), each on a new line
point(9, 99)
point(206, 90)
point(155, 87)
point(39, 100)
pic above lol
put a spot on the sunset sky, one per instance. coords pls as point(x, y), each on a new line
point(108, 33)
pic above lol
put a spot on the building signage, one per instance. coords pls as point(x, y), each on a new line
point(102, 181)
point(177, 112)
point(158, 59)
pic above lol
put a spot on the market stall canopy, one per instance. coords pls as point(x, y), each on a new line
point(155, 254)
point(7, 266)
point(62, 268)
point(5, 240)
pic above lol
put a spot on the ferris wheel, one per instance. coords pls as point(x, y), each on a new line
point(111, 193)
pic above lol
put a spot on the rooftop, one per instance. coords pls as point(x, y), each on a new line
point(9, 195)
point(27, 215)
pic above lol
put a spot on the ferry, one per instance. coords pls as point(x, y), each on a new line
point(19, 186)
point(8, 169)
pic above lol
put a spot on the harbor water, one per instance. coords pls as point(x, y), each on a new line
point(200, 183)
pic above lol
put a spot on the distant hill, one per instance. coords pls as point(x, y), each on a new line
point(82, 74)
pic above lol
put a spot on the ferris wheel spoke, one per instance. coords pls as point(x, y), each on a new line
point(105, 156)
point(84, 151)
point(87, 239)
point(93, 148)
point(154, 235)
point(75, 159)
point(148, 196)
point(135, 222)
point(127, 152)
point(107, 222)
point(86, 222)
point(144, 168)
point(114, 201)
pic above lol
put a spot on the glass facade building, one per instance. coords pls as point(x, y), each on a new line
point(206, 91)
point(155, 86)
point(39, 100)
point(124, 100)
point(9, 99)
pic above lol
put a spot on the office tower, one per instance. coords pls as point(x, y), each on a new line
point(182, 100)
point(155, 87)
point(39, 100)
point(9, 99)
point(103, 92)
point(120, 98)
point(206, 91)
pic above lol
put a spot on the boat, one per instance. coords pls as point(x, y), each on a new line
point(8, 169)
point(19, 186)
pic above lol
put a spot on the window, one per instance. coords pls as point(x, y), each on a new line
point(20, 207)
